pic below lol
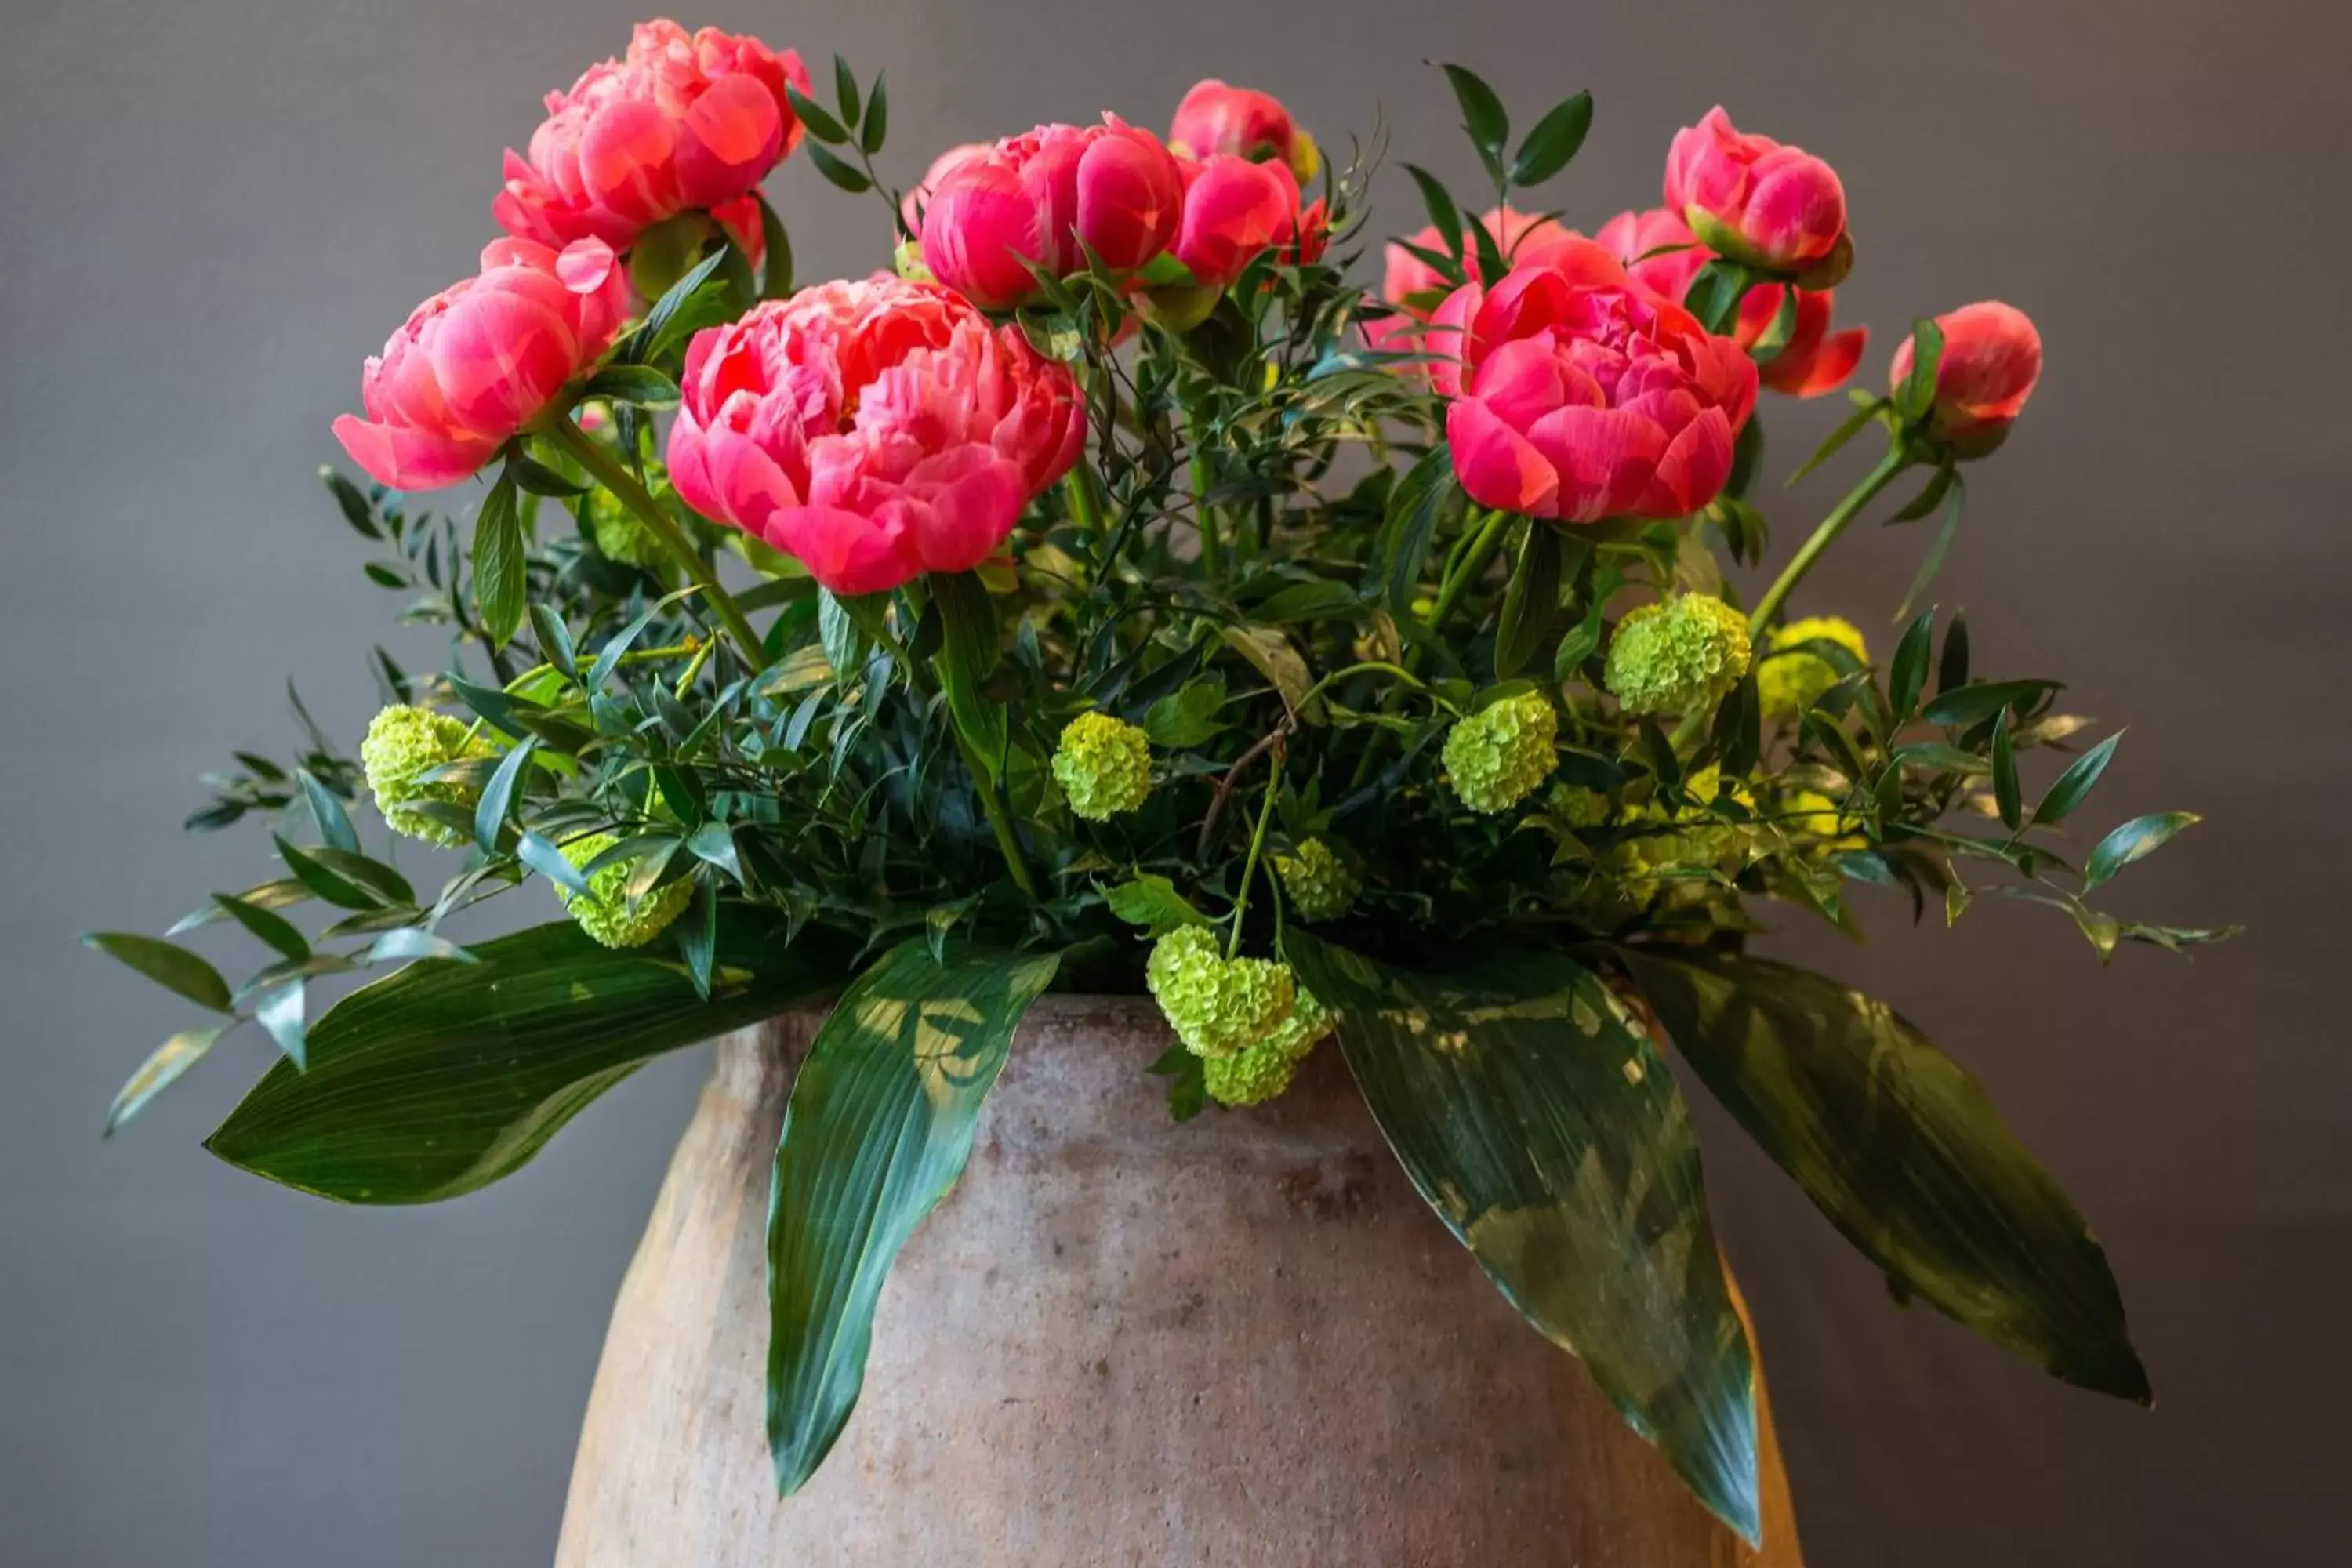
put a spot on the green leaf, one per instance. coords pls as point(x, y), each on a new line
point(159, 1071)
point(355, 510)
point(1551, 1139)
point(877, 116)
point(1401, 550)
point(2004, 775)
point(497, 796)
point(2135, 840)
point(1957, 707)
point(1553, 141)
point(536, 478)
point(821, 125)
point(1917, 395)
point(1775, 335)
point(1933, 561)
point(640, 384)
point(967, 657)
point(844, 91)
point(540, 853)
point(1838, 438)
point(1185, 717)
point(334, 824)
point(168, 965)
point(1902, 1151)
point(1152, 902)
point(411, 941)
point(441, 1078)
point(1906, 675)
point(554, 640)
point(1716, 291)
point(2077, 782)
point(274, 928)
point(279, 1012)
point(1930, 496)
point(1952, 669)
point(674, 300)
point(500, 578)
point(877, 1130)
point(1442, 212)
point(776, 269)
point(1530, 601)
point(1482, 117)
point(836, 172)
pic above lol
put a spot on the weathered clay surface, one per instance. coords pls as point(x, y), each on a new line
point(1241, 1341)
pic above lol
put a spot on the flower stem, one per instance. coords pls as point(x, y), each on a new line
point(1008, 843)
point(1470, 567)
point(1257, 843)
point(614, 476)
point(1205, 516)
point(1846, 510)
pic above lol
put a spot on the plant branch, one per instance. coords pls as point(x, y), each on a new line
point(1846, 510)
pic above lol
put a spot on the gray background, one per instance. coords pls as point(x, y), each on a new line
point(214, 207)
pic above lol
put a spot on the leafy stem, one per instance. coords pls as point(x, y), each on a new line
point(1846, 510)
point(1257, 844)
point(615, 477)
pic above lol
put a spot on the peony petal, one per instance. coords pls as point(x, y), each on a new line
point(1605, 456)
point(408, 461)
point(1496, 465)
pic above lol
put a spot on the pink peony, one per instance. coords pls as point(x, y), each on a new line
point(1813, 361)
point(1992, 358)
point(1048, 197)
point(1412, 287)
point(911, 206)
point(683, 122)
point(1234, 211)
point(1579, 402)
point(875, 430)
point(483, 359)
point(1216, 118)
point(1750, 199)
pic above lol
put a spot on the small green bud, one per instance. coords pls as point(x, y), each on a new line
point(1321, 884)
point(1104, 766)
point(605, 913)
point(1788, 683)
point(1681, 655)
point(1499, 755)
point(403, 744)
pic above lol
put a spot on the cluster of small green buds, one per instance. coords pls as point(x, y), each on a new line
point(1247, 1018)
point(605, 913)
point(1104, 766)
point(1321, 883)
point(1788, 683)
point(403, 744)
point(1679, 656)
point(1499, 755)
point(620, 534)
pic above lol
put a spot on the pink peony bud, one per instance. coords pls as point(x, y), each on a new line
point(1234, 211)
point(1579, 402)
point(1216, 118)
point(483, 359)
point(1412, 287)
point(1048, 197)
point(1992, 358)
point(1753, 200)
point(1813, 361)
point(875, 430)
point(911, 206)
point(683, 122)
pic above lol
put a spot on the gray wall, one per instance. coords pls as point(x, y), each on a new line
point(214, 207)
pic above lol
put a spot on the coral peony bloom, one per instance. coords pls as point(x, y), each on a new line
point(1234, 211)
point(1750, 199)
point(682, 122)
point(1813, 361)
point(1216, 118)
point(873, 429)
point(1413, 287)
point(1992, 358)
point(1049, 197)
point(1579, 401)
point(911, 206)
point(482, 359)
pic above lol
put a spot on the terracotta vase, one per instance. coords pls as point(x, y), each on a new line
point(1244, 1341)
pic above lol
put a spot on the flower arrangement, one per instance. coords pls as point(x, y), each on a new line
point(1112, 595)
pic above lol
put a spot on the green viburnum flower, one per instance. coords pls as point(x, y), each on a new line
point(1218, 1006)
point(1499, 755)
point(1104, 766)
point(1788, 683)
point(605, 913)
point(1256, 1074)
point(1682, 654)
point(620, 534)
point(1812, 814)
point(1322, 886)
point(403, 743)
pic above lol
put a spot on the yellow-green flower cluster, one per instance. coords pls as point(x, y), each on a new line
point(605, 913)
point(1499, 755)
point(1247, 1018)
point(403, 744)
point(1322, 885)
point(1104, 766)
point(1677, 655)
point(1788, 683)
point(1810, 815)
